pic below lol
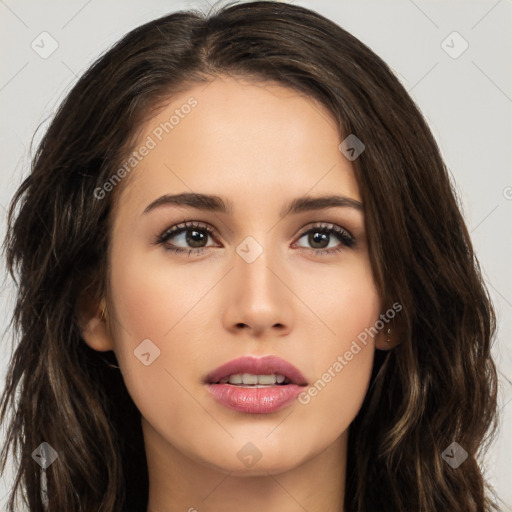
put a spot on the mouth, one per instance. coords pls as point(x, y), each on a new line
point(255, 385)
point(249, 380)
point(256, 372)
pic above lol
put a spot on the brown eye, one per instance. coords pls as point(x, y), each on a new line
point(322, 239)
point(186, 237)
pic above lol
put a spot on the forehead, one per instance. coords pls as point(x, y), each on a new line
point(237, 138)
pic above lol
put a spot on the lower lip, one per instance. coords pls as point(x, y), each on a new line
point(255, 400)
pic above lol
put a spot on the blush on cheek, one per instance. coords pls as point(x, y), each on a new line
point(357, 317)
point(144, 306)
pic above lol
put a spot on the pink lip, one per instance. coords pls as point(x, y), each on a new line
point(256, 400)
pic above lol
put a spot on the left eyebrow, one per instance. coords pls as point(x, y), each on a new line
point(214, 203)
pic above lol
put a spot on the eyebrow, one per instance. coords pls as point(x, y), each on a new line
point(215, 203)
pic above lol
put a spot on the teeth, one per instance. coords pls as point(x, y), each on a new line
point(249, 379)
point(235, 379)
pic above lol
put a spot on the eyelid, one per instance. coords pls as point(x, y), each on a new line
point(325, 226)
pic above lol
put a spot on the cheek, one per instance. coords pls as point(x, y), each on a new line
point(344, 300)
point(150, 301)
point(152, 309)
point(343, 356)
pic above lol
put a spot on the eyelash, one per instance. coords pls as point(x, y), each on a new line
point(346, 239)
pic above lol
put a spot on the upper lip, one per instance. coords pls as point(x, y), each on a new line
point(266, 365)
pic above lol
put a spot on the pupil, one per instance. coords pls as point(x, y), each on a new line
point(195, 237)
point(322, 237)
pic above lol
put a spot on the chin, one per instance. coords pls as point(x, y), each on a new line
point(246, 459)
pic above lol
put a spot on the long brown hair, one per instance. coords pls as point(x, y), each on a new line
point(439, 385)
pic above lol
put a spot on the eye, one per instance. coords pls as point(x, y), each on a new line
point(195, 235)
point(321, 236)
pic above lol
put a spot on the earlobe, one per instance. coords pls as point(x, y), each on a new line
point(387, 339)
point(96, 331)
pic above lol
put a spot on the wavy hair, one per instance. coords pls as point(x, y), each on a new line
point(437, 386)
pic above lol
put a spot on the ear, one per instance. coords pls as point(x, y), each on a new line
point(95, 327)
point(388, 337)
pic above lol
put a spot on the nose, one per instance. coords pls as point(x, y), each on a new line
point(260, 300)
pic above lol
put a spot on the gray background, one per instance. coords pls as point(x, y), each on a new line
point(467, 102)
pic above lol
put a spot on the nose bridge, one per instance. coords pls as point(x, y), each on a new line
point(252, 265)
point(259, 300)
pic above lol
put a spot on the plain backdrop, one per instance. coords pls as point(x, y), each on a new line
point(453, 57)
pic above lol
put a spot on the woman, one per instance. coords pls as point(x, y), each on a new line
point(325, 346)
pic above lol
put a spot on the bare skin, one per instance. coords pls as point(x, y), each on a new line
point(258, 146)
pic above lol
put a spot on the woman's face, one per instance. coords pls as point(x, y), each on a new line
point(265, 282)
